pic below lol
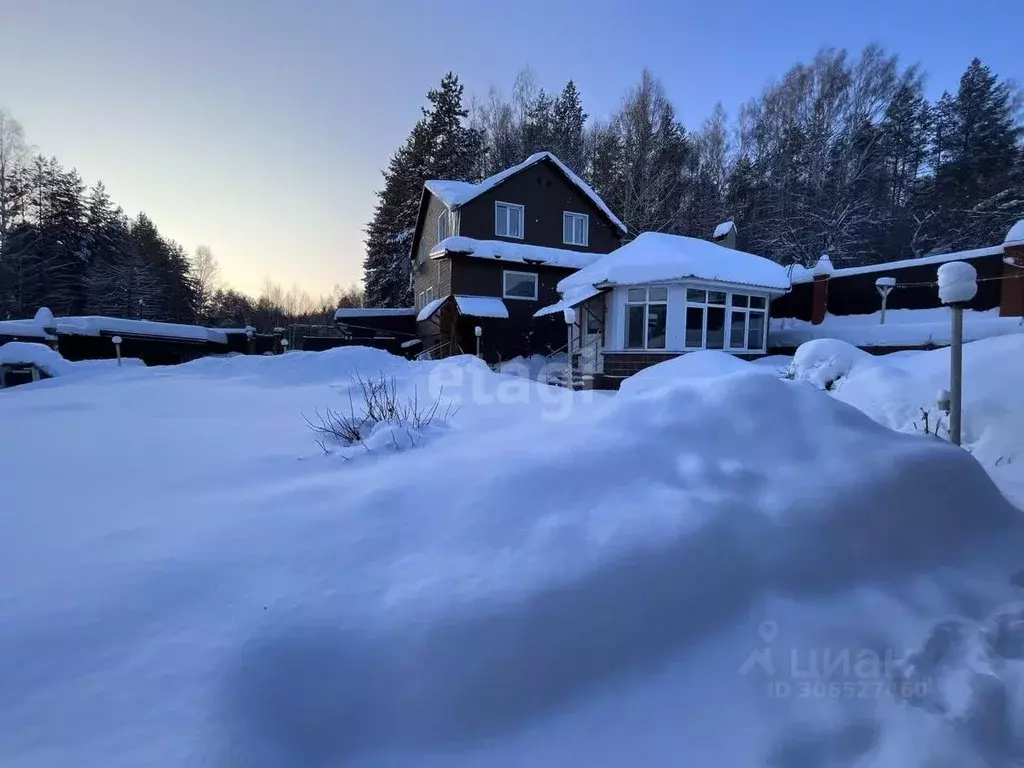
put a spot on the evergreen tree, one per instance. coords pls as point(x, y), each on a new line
point(568, 121)
point(441, 146)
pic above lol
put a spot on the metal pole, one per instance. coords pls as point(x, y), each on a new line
point(568, 350)
point(956, 361)
point(885, 295)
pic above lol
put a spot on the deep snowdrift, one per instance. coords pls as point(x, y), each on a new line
point(558, 579)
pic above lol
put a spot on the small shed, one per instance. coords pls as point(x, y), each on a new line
point(23, 362)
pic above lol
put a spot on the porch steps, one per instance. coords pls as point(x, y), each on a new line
point(578, 380)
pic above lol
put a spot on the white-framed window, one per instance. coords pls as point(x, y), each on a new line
point(519, 285)
point(725, 320)
point(508, 220)
point(442, 226)
point(575, 228)
point(424, 297)
point(646, 317)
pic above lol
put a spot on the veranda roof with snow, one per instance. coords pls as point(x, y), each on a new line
point(514, 252)
point(656, 257)
point(471, 306)
point(353, 312)
point(574, 297)
point(456, 193)
point(481, 306)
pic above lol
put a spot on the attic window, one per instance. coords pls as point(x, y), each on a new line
point(442, 226)
point(575, 228)
point(508, 220)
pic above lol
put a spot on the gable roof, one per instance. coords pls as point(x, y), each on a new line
point(656, 257)
point(457, 193)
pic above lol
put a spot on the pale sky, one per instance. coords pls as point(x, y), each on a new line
point(259, 128)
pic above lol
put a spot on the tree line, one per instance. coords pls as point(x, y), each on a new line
point(844, 155)
point(68, 247)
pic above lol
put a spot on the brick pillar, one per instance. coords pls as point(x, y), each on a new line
point(1011, 287)
point(819, 301)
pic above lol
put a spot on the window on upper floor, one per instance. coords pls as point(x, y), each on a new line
point(442, 226)
point(519, 285)
point(508, 220)
point(575, 228)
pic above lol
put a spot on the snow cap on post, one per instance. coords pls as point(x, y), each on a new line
point(958, 282)
point(885, 282)
point(116, 339)
point(824, 266)
point(1016, 234)
point(44, 318)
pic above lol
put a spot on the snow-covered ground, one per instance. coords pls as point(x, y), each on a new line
point(715, 567)
point(902, 328)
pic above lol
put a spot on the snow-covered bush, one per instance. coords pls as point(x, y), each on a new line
point(823, 362)
point(378, 417)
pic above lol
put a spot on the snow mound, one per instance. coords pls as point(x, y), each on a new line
point(592, 590)
point(1016, 234)
point(823, 362)
point(958, 282)
point(40, 355)
point(693, 365)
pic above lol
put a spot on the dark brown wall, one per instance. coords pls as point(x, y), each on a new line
point(428, 236)
point(521, 334)
point(545, 193)
point(857, 295)
point(432, 272)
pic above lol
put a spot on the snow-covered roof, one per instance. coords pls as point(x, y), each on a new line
point(21, 328)
point(352, 312)
point(570, 300)
point(430, 308)
point(1016, 234)
point(724, 229)
point(94, 325)
point(482, 306)
point(456, 193)
point(516, 252)
point(39, 355)
point(803, 275)
point(655, 257)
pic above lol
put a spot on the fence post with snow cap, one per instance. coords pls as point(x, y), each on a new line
point(884, 286)
point(478, 332)
point(958, 284)
point(117, 348)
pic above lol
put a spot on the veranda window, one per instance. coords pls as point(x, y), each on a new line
point(725, 320)
point(646, 315)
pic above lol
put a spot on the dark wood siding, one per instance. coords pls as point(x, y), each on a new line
point(545, 193)
point(521, 334)
point(428, 272)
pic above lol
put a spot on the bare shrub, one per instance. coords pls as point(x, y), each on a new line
point(376, 401)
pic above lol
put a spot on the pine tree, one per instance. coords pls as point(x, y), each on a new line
point(538, 130)
point(568, 121)
point(441, 146)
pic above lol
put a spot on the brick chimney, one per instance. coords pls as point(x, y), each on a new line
point(725, 234)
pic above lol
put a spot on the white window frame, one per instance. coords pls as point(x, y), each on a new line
point(424, 297)
point(729, 309)
point(536, 284)
point(502, 208)
point(446, 220)
point(646, 304)
point(586, 228)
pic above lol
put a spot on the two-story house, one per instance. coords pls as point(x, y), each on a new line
point(488, 255)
